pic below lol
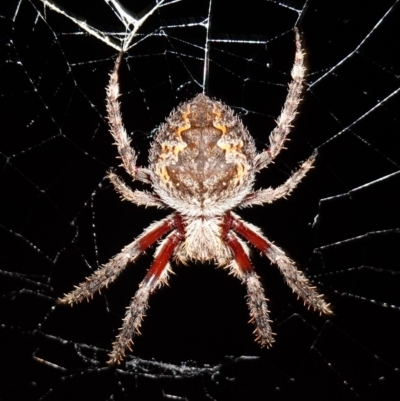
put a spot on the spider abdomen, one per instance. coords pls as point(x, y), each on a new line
point(203, 156)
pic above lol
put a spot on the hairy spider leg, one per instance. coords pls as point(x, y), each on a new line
point(140, 198)
point(270, 195)
point(294, 278)
point(117, 129)
point(156, 276)
point(242, 268)
point(111, 270)
point(279, 134)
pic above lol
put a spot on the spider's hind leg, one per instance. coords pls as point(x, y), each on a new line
point(278, 136)
point(117, 128)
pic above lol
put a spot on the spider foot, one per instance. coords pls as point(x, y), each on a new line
point(131, 325)
point(81, 293)
point(298, 282)
point(156, 276)
point(259, 311)
point(101, 277)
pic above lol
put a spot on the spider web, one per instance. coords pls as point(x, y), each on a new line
point(60, 219)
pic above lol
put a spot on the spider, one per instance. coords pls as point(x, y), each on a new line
point(202, 164)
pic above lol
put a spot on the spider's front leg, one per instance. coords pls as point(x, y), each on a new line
point(242, 268)
point(156, 276)
point(294, 278)
point(111, 270)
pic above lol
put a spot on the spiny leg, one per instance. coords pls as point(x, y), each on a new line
point(156, 276)
point(241, 267)
point(294, 278)
point(111, 270)
point(117, 129)
point(270, 195)
point(279, 134)
point(137, 197)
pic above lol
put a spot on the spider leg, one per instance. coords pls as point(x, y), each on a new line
point(156, 276)
point(270, 195)
point(117, 129)
point(279, 134)
point(242, 268)
point(294, 278)
point(111, 270)
point(137, 197)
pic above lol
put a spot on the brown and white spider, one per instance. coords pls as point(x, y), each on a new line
point(202, 164)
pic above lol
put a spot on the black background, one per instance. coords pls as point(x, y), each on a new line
point(60, 219)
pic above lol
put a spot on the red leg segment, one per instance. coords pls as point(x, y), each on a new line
point(156, 276)
point(256, 300)
point(111, 270)
point(294, 278)
point(163, 256)
point(155, 234)
point(253, 237)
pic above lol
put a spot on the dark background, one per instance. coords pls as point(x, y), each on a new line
point(60, 219)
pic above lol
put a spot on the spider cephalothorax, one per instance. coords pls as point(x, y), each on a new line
point(202, 164)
